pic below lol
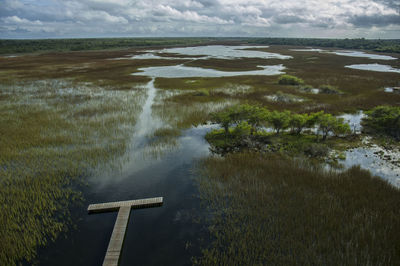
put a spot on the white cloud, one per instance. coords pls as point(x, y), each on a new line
point(20, 21)
point(100, 16)
point(174, 14)
point(308, 18)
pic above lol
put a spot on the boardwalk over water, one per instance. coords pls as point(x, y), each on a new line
point(124, 208)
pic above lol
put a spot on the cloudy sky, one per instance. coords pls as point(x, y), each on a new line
point(168, 18)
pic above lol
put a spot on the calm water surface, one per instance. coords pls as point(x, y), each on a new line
point(369, 158)
point(181, 71)
point(218, 52)
point(155, 236)
point(348, 53)
point(375, 67)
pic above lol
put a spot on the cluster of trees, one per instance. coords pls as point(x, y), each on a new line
point(389, 46)
point(249, 119)
point(383, 120)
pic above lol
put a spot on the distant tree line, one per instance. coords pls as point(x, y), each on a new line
point(386, 45)
point(29, 46)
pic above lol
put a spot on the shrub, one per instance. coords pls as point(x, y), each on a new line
point(279, 120)
point(341, 128)
point(330, 124)
point(307, 88)
point(255, 116)
point(383, 120)
point(328, 89)
point(222, 118)
point(290, 80)
point(242, 129)
point(202, 92)
point(298, 122)
point(316, 150)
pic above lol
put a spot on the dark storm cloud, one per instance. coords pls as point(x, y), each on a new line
point(395, 4)
point(369, 21)
point(93, 18)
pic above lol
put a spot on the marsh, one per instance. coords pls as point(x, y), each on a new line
point(81, 127)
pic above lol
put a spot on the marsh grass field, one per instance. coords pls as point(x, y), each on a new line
point(67, 116)
point(271, 210)
point(54, 134)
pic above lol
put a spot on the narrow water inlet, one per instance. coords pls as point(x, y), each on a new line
point(145, 125)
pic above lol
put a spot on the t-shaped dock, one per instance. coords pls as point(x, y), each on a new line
point(118, 234)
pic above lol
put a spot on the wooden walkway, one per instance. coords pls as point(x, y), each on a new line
point(124, 208)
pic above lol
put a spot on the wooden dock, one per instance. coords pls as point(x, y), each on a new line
point(124, 208)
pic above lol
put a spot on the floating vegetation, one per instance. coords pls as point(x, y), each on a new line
point(54, 134)
point(271, 210)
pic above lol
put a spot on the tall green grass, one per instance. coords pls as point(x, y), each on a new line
point(270, 210)
point(181, 110)
point(54, 134)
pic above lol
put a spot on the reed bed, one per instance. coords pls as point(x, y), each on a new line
point(54, 134)
point(271, 210)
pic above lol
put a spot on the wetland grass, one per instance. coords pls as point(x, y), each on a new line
point(53, 135)
point(272, 210)
point(72, 113)
point(357, 91)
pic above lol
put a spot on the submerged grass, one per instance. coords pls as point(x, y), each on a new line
point(182, 109)
point(53, 134)
point(270, 210)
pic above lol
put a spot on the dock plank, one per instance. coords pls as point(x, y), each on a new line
point(136, 204)
point(117, 237)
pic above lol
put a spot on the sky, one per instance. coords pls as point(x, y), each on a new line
point(26, 19)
